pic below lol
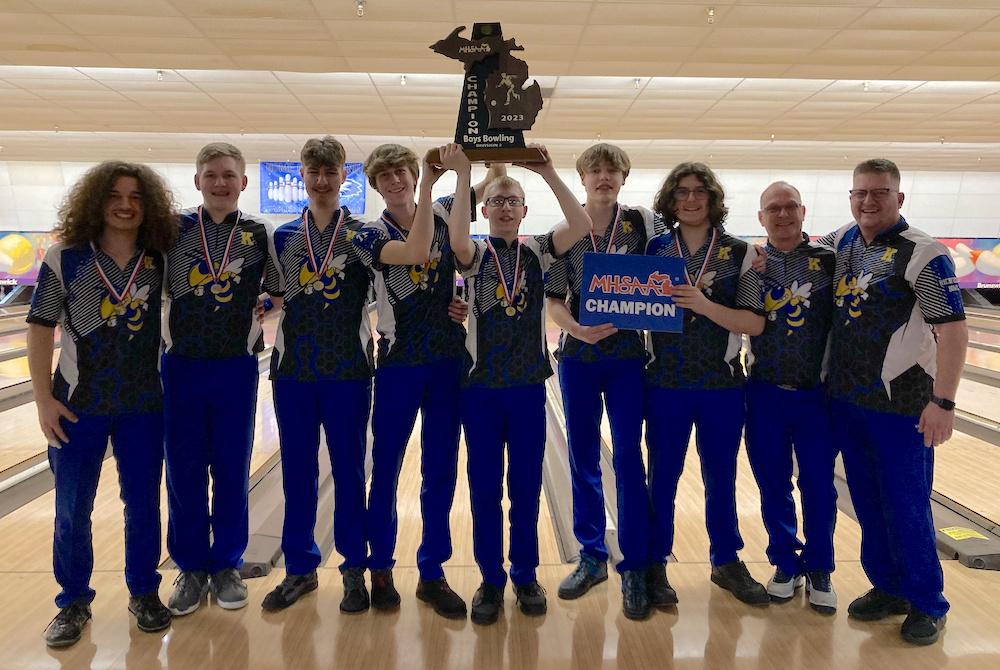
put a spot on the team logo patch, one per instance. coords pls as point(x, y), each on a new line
point(327, 283)
point(426, 275)
point(221, 288)
point(850, 292)
point(131, 310)
point(791, 302)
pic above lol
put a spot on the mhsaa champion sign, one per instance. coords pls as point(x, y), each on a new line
point(632, 292)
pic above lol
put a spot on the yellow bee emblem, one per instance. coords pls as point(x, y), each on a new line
point(520, 299)
point(851, 291)
point(328, 283)
point(221, 289)
point(427, 274)
point(131, 309)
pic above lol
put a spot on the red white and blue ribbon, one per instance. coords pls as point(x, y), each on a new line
point(107, 281)
point(708, 257)
point(507, 294)
point(387, 220)
point(318, 269)
point(614, 229)
point(229, 245)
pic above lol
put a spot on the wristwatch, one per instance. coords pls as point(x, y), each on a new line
point(946, 405)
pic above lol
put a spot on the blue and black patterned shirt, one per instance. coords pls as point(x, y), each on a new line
point(798, 302)
point(210, 316)
point(110, 347)
point(324, 332)
point(887, 295)
point(507, 324)
point(706, 355)
point(412, 300)
point(628, 234)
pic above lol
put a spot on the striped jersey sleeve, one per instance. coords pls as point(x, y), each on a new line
point(274, 282)
point(50, 293)
point(750, 289)
point(938, 293)
point(557, 280)
point(368, 242)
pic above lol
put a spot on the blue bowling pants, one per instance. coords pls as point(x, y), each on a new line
point(341, 407)
point(516, 417)
point(778, 421)
point(889, 474)
point(622, 384)
point(137, 443)
point(400, 392)
point(208, 406)
point(719, 415)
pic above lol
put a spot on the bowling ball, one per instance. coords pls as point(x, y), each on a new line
point(20, 252)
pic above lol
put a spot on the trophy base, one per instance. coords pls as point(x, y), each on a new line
point(508, 155)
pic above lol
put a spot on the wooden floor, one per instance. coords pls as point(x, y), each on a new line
point(709, 629)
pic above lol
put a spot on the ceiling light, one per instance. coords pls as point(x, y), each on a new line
point(866, 86)
point(942, 139)
point(772, 137)
point(637, 82)
point(361, 7)
point(159, 75)
point(402, 80)
point(711, 14)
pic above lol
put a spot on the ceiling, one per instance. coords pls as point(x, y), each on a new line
point(656, 77)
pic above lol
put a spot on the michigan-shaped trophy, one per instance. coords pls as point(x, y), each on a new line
point(496, 105)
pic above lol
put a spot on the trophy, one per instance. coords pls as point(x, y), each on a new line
point(496, 107)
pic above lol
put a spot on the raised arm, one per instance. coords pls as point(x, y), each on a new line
point(40, 347)
point(460, 220)
point(577, 222)
point(417, 247)
point(496, 170)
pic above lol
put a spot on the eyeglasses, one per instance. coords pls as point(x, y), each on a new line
point(700, 193)
point(499, 200)
point(788, 208)
point(876, 193)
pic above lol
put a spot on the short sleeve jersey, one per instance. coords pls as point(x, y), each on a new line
point(706, 355)
point(209, 311)
point(798, 302)
point(111, 341)
point(628, 233)
point(507, 312)
point(324, 332)
point(887, 295)
point(412, 300)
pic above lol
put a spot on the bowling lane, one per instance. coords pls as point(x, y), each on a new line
point(13, 325)
point(965, 470)
point(27, 532)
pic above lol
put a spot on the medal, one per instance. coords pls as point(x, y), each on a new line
point(119, 298)
point(317, 269)
point(611, 237)
point(216, 275)
point(508, 295)
point(704, 266)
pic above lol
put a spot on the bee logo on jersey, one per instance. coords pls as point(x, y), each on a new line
point(518, 301)
point(850, 292)
point(790, 301)
point(706, 282)
point(328, 283)
point(131, 309)
point(221, 288)
point(427, 274)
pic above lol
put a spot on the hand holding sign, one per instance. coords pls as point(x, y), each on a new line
point(594, 334)
point(691, 298)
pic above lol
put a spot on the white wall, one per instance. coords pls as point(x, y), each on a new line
point(943, 204)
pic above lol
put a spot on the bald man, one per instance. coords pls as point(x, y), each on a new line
point(786, 408)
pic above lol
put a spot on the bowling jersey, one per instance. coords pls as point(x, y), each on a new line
point(628, 233)
point(324, 332)
point(209, 311)
point(887, 294)
point(412, 300)
point(798, 302)
point(110, 322)
point(506, 285)
point(706, 355)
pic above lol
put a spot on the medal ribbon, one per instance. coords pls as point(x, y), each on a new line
point(508, 295)
point(387, 220)
point(316, 268)
point(229, 245)
point(107, 281)
point(708, 257)
point(614, 229)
